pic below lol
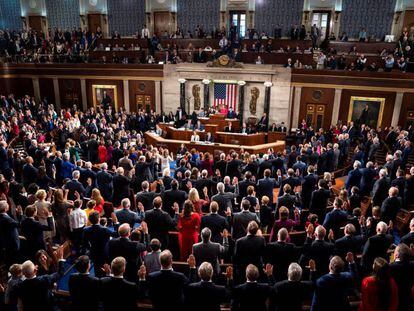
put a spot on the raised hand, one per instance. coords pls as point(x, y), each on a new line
point(142, 272)
point(176, 208)
point(349, 257)
point(191, 261)
point(228, 212)
point(268, 270)
point(312, 265)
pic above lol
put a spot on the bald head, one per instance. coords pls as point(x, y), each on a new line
point(124, 230)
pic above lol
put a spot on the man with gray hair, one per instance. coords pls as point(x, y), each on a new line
point(35, 291)
point(380, 189)
point(75, 186)
point(349, 242)
point(125, 215)
point(205, 295)
point(9, 235)
point(104, 182)
point(290, 294)
point(354, 177)
point(409, 237)
point(224, 199)
point(211, 252)
point(376, 246)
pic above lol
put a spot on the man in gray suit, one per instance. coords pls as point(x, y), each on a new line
point(224, 199)
point(210, 251)
point(241, 220)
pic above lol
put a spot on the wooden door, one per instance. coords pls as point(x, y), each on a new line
point(35, 22)
point(162, 22)
point(315, 115)
point(94, 21)
point(144, 102)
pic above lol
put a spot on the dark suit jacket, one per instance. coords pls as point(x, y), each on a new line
point(29, 174)
point(240, 221)
point(403, 274)
point(223, 200)
point(73, 186)
point(290, 295)
point(319, 202)
point(216, 223)
point(104, 182)
point(250, 296)
point(36, 294)
point(281, 255)
point(380, 191)
point(119, 294)
point(131, 251)
point(265, 186)
point(390, 208)
point(407, 239)
point(121, 189)
point(9, 234)
point(367, 180)
point(248, 250)
point(166, 289)
point(95, 239)
point(146, 198)
point(233, 168)
point(210, 252)
point(334, 220)
point(347, 244)
point(288, 201)
point(376, 246)
point(172, 196)
point(353, 179)
point(159, 223)
point(84, 292)
point(196, 294)
point(320, 251)
point(309, 184)
point(32, 230)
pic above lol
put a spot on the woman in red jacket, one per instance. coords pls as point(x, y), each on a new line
point(102, 152)
point(188, 230)
point(379, 292)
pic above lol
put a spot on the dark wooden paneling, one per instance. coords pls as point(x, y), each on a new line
point(47, 90)
point(326, 98)
point(119, 90)
point(94, 21)
point(388, 108)
point(70, 93)
point(141, 88)
point(362, 47)
point(35, 22)
point(162, 22)
point(407, 105)
point(18, 86)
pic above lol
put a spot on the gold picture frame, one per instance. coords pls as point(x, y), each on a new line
point(374, 118)
point(97, 92)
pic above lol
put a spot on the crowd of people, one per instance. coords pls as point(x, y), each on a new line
point(87, 188)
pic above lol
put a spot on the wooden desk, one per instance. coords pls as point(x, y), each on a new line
point(173, 145)
point(362, 47)
point(240, 139)
point(221, 122)
point(182, 134)
point(275, 136)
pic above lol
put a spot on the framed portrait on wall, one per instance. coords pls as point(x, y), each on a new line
point(105, 95)
point(366, 110)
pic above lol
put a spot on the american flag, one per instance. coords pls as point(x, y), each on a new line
point(225, 94)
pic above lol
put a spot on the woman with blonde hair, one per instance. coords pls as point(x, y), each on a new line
point(43, 207)
point(198, 203)
point(97, 197)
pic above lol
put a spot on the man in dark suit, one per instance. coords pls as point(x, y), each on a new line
point(319, 200)
point(291, 180)
point(223, 199)
point(368, 175)
point(104, 182)
point(29, 172)
point(350, 242)
point(409, 188)
point(263, 124)
point(287, 200)
point(160, 222)
point(231, 114)
point(376, 246)
point(215, 222)
point(291, 293)
point(336, 218)
point(209, 251)
point(35, 292)
point(408, 239)
point(391, 206)
point(264, 165)
point(241, 220)
point(126, 293)
point(196, 293)
point(309, 183)
point(93, 147)
point(174, 196)
point(83, 288)
point(125, 215)
point(244, 184)
point(86, 173)
point(380, 189)
point(121, 186)
point(33, 230)
point(229, 128)
point(319, 249)
point(9, 235)
point(130, 250)
point(233, 166)
point(95, 240)
point(248, 250)
point(236, 55)
point(399, 183)
point(166, 287)
point(200, 56)
point(204, 182)
point(266, 185)
point(402, 270)
point(281, 254)
point(251, 295)
point(332, 289)
point(75, 186)
point(354, 177)
point(146, 197)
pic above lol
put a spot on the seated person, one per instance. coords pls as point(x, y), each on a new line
point(273, 128)
point(229, 128)
point(209, 138)
point(195, 137)
point(244, 129)
point(259, 60)
point(231, 114)
point(198, 126)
